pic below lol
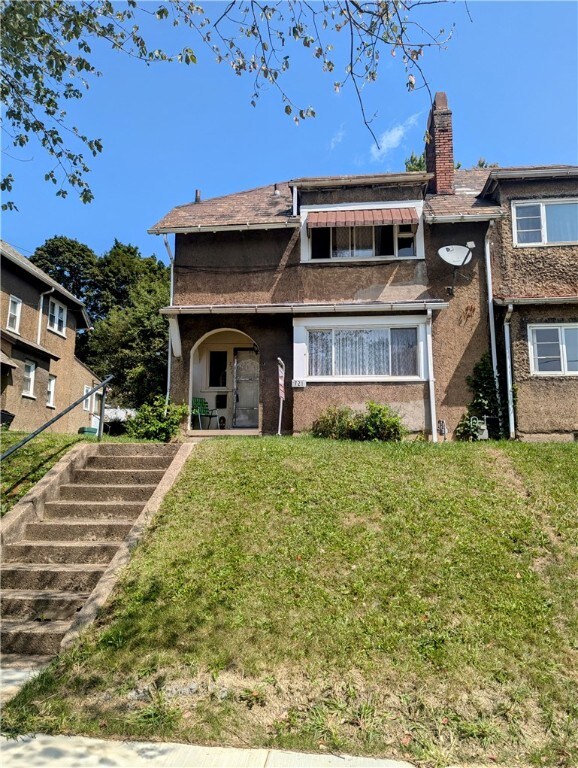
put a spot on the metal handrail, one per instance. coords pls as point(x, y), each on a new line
point(29, 437)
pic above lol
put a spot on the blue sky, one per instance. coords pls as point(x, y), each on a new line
point(510, 73)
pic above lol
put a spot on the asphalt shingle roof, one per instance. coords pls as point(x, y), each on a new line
point(262, 206)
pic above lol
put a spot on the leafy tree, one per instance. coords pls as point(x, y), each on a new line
point(71, 263)
point(482, 163)
point(119, 271)
point(131, 343)
point(415, 162)
point(46, 58)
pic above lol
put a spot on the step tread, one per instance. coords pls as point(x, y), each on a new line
point(64, 567)
point(87, 502)
point(17, 625)
point(62, 543)
point(126, 486)
point(84, 521)
point(41, 594)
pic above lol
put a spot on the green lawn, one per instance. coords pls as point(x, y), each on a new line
point(29, 464)
point(403, 600)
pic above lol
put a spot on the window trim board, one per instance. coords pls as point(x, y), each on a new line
point(562, 347)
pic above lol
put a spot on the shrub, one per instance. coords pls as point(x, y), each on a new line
point(485, 403)
point(377, 422)
point(157, 420)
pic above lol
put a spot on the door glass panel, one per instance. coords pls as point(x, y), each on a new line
point(217, 368)
point(246, 389)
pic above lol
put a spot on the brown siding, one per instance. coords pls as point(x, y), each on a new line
point(71, 375)
point(545, 406)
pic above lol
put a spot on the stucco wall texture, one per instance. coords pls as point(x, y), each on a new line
point(547, 406)
point(535, 270)
point(258, 267)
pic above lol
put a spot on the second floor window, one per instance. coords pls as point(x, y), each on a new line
point(57, 317)
point(86, 403)
point(545, 222)
point(29, 378)
point(51, 391)
point(397, 241)
point(14, 312)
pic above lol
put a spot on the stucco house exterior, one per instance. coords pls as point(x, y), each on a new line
point(341, 278)
point(40, 376)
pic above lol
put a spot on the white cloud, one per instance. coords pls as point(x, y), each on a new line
point(337, 138)
point(391, 139)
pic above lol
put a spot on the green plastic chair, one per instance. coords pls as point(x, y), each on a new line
point(200, 408)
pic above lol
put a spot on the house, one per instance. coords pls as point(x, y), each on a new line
point(40, 374)
point(346, 279)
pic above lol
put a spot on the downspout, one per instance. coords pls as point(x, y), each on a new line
point(295, 206)
point(40, 311)
point(171, 293)
point(431, 380)
point(509, 382)
point(491, 319)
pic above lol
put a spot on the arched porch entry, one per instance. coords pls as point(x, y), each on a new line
point(225, 372)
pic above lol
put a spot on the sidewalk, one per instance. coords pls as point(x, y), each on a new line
point(80, 752)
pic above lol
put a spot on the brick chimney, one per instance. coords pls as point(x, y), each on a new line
point(439, 151)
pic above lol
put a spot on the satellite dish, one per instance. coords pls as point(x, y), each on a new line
point(456, 255)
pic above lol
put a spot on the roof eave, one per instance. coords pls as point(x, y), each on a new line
point(538, 173)
point(432, 218)
point(303, 309)
point(409, 178)
point(223, 227)
point(503, 301)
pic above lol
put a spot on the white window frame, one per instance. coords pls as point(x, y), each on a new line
point(51, 391)
point(560, 327)
point(54, 327)
point(29, 382)
point(302, 326)
point(418, 237)
point(87, 402)
point(542, 203)
point(17, 314)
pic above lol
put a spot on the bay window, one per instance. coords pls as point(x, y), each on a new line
point(554, 349)
point(545, 222)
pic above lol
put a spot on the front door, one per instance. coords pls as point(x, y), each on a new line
point(245, 388)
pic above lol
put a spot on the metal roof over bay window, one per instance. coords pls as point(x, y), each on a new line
point(371, 217)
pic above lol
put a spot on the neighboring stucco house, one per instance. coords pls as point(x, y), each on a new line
point(40, 374)
point(341, 278)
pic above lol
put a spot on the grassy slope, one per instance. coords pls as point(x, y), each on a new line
point(406, 600)
point(30, 463)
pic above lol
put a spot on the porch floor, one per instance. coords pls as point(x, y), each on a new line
point(222, 432)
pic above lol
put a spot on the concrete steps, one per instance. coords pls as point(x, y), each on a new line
point(49, 573)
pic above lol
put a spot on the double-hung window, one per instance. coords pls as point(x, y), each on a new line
point(57, 317)
point(50, 391)
point(86, 402)
point(554, 349)
point(29, 378)
point(14, 312)
point(545, 222)
point(372, 352)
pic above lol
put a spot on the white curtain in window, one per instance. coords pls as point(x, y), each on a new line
point(571, 342)
point(320, 353)
point(562, 222)
point(404, 352)
point(362, 352)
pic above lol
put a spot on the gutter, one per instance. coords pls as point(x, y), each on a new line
point(457, 218)
point(491, 318)
point(171, 293)
point(192, 229)
point(507, 343)
point(431, 379)
point(40, 311)
point(529, 300)
point(302, 309)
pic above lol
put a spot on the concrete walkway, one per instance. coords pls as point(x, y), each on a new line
point(80, 752)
